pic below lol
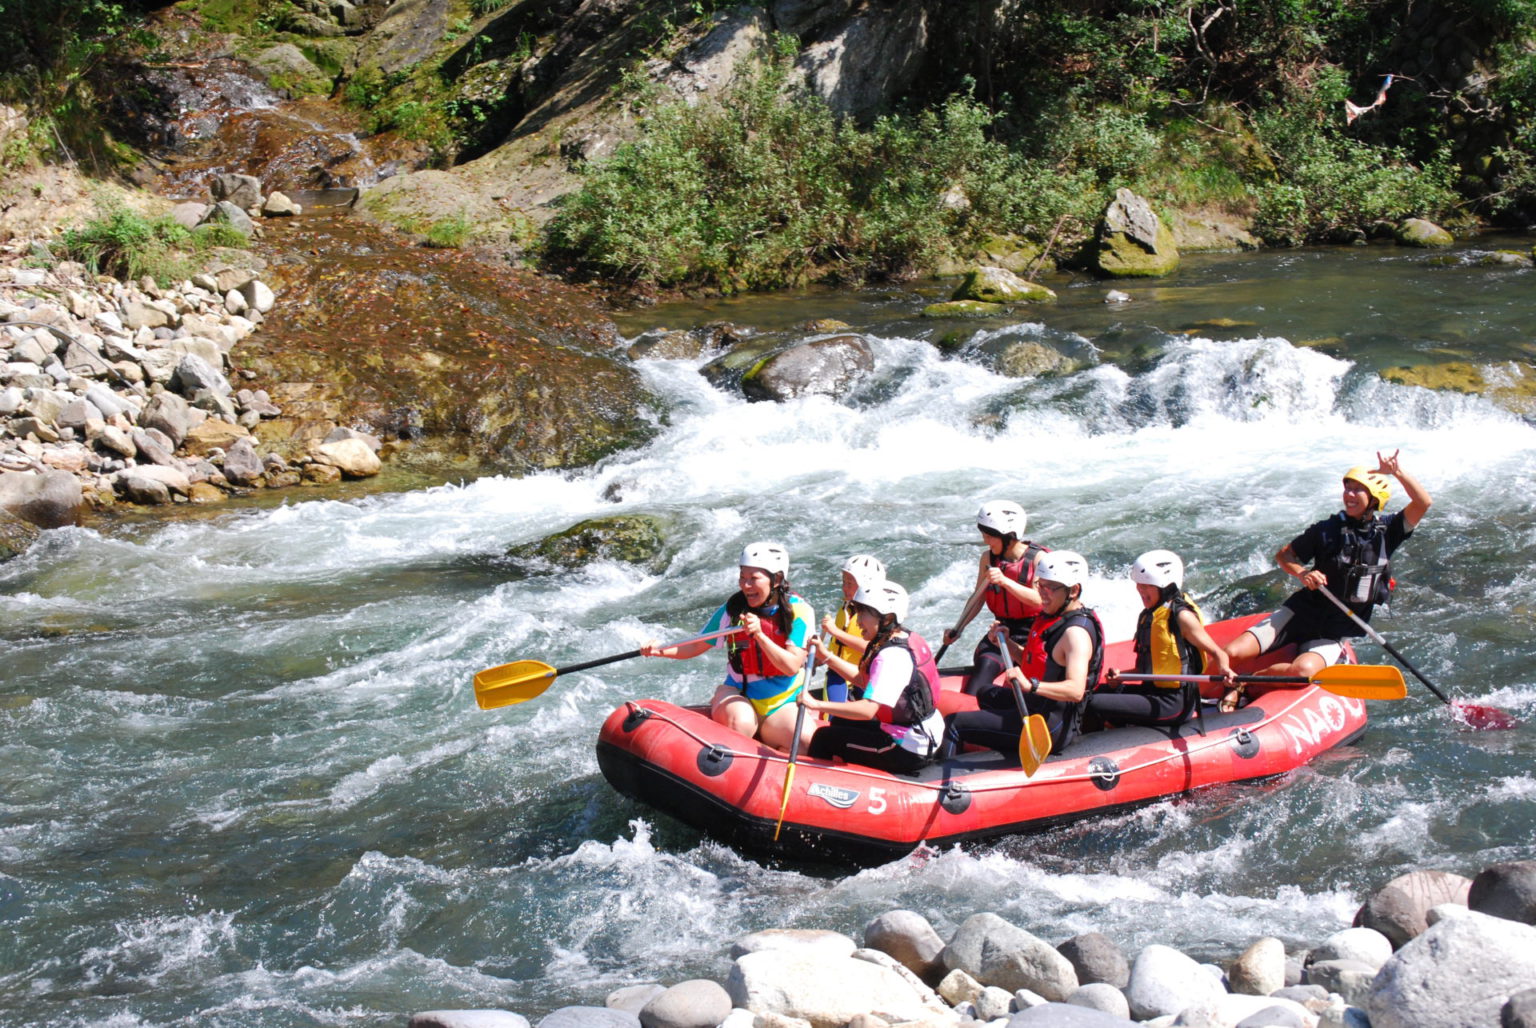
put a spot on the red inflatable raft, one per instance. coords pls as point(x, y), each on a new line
point(682, 763)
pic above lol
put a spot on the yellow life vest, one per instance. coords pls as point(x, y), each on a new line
point(1161, 648)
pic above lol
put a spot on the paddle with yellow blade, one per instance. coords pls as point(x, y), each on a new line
point(1360, 681)
point(522, 680)
point(794, 744)
point(1034, 737)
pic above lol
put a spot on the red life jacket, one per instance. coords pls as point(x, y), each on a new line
point(745, 655)
point(1003, 604)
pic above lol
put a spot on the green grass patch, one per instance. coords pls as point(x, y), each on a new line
point(449, 233)
point(128, 245)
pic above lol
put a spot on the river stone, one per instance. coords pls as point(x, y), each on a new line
point(258, 295)
point(277, 205)
point(153, 446)
point(241, 465)
point(353, 456)
point(212, 434)
point(467, 1019)
point(1260, 969)
point(76, 413)
point(51, 499)
point(1066, 1015)
point(105, 400)
point(16, 535)
point(170, 414)
point(1397, 910)
point(664, 344)
point(1341, 1015)
point(1421, 233)
point(1303, 994)
point(695, 1003)
point(589, 1017)
point(633, 998)
point(825, 990)
point(964, 309)
point(632, 539)
point(1365, 945)
point(1349, 978)
point(908, 937)
point(815, 941)
point(189, 214)
point(995, 952)
point(1520, 1011)
point(1132, 242)
point(235, 217)
point(320, 474)
point(1101, 996)
point(136, 487)
point(1504, 890)
point(1096, 957)
point(193, 374)
point(999, 285)
point(1030, 358)
point(1276, 1015)
point(11, 400)
point(1457, 974)
point(139, 314)
point(957, 987)
point(1165, 981)
point(822, 367)
point(244, 191)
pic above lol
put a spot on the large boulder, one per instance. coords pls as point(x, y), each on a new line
point(1421, 233)
point(827, 992)
point(353, 457)
point(995, 952)
point(1366, 945)
point(630, 538)
point(1506, 890)
point(998, 285)
point(821, 367)
point(467, 1019)
point(1132, 242)
point(1399, 908)
point(863, 64)
point(49, 500)
point(589, 1017)
point(244, 191)
point(908, 937)
point(1458, 974)
point(1165, 981)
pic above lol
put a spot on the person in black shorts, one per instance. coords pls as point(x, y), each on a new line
point(1350, 554)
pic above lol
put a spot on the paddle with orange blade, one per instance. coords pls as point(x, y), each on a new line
point(1360, 681)
point(1473, 715)
point(522, 680)
point(1034, 737)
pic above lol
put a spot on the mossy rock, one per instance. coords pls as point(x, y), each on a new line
point(825, 326)
point(964, 309)
point(1505, 259)
point(954, 340)
point(1033, 359)
point(16, 535)
point(1511, 386)
point(999, 285)
point(1421, 233)
point(638, 539)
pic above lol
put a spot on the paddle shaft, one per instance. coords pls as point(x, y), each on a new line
point(1136, 676)
point(1018, 691)
point(794, 743)
point(1376, 637)
point(599, 662)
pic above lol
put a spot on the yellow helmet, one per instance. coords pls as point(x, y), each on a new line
point(1374, 481)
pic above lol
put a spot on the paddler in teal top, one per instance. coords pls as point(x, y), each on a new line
point(766, 669)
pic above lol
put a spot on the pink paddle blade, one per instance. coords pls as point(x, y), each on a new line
point(1483, 718)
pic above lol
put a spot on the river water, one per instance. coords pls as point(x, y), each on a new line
point(244, 781)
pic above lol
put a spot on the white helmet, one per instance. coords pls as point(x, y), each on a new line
point(1003, 517)
point(883, 598)
point(866, 570)
point(1062, 566)
point(1160, 568)
point(771, 557)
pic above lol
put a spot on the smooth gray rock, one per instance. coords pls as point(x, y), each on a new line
point(467, 1019)
point(1520, 1011)
point(237, 218)
point(193, 373)
point(1457, 974)
point(1260, 969)
point(170, 414)
point(633, 998)
point(1277, 1016)
point(241, 465)
point(589, 1017)
point(993, 1003)
point(822, 367)
point(826, 943)
point(1097, 958)
point(1302, 994)
point(189, 214)
point(76, 413)
point(1506, 890)
point(1065, 1015)
point(153, 447)
point(1365, 945)
point(244, 191)
point(695, 1003)
point(995, 952)
point(802, 982)
point(106, 401)
point(49, 500)
point(1101, 996)
point(133, 485)
point(908, 937)
point(1165, 981)
point(1397, 910)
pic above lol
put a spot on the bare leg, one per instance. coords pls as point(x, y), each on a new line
point(778, 729)
point(733, 710)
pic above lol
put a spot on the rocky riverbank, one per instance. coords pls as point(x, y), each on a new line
point(1429, 949)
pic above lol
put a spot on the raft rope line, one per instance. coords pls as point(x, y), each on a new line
point(1039, 779)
